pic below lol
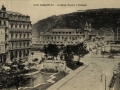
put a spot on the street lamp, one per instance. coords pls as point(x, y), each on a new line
point(105, 79)
point(103, 50)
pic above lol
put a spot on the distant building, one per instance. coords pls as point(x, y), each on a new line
point(103, 36)
point(117, 35)
point(64, 36)
point(60, 37)
point(109, 36)
point(15, 34)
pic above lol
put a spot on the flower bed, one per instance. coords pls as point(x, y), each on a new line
point(45, 86)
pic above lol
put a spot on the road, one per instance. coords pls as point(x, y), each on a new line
point(90, 77)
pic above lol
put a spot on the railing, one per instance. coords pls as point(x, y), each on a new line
point(14, 48)
point(19, 39)
point(20, 30)
point(22, 20)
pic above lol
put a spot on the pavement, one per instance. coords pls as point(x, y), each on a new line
point(66, 78)
point(88, 77)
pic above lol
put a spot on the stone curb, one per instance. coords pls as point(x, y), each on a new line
point(60, 83)
point(32, 73)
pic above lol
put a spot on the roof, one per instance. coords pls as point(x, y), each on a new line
point(63, 30)
point(14, 13)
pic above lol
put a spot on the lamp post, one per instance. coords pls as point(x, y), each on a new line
point(65, 43)
point(105, 79)
point(103, 50)
point(89, 44)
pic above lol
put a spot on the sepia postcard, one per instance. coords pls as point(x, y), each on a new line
point(59, 45)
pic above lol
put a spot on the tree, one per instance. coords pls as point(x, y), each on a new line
point(14, 76)
point(68, 53)
point(80, 50)
point(53, 50)
point(4, 58)
point(46, 51)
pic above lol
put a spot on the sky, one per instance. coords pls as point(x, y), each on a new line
point(36, 10)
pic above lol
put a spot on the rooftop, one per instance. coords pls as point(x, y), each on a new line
point(63, 30)
point(14, 13)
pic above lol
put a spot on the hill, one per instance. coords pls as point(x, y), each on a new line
point(99, 18)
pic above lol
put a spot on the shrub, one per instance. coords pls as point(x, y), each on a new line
point(50, 70)
point(111, 56)
point(36, 59)
point(79, 63)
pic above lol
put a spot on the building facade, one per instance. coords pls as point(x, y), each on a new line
point(2, 39)
point(117, 35)
point(17, 34)
point(60, 37)
point(65, 36)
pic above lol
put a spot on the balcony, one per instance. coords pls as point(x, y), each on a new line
point(17, 48)
point(3, 26)
point(16, 30)
point(20, 39)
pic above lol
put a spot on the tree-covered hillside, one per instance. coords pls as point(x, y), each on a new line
point(99, 18)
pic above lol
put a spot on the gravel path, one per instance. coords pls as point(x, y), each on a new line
point(89, 79)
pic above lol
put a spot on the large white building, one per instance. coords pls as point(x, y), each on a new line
point(2, 40)
point(64, 36)
point(60, 37)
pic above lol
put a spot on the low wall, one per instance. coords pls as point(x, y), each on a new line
point(115, 47)
point(55, 64)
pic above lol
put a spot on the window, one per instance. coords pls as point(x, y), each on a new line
point(20, 44)
point(20, 35)
point(27, 26)
point(3, 15)
point(69, 32)
point(11, 35)
point(27, 43)
point(27, 35)
point(0, 23)
point(23, 26)
point(11, 25)
point(15, 25)
point(19, 18)
point(24, 44)
point(16, 35)
point(4, 22)
point(24, 35)
point(19, 26)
